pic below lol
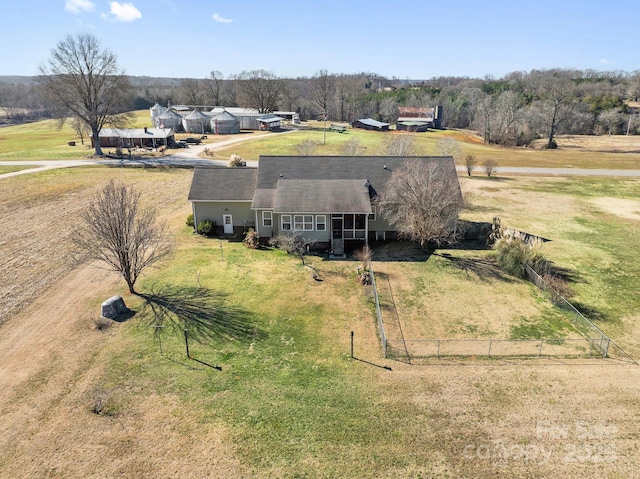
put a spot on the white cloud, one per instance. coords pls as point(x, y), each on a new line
point(124, 12)
point(77, 6)
point(219, 19)
point(604, 61)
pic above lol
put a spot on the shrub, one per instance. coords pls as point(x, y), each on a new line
point(364, 255)
point(307, 147)
point(236, 160)
point(558, 288)
point(251, 239)
point(207, 228)
point(190, 222)
point(513, 253)
point(101, 323)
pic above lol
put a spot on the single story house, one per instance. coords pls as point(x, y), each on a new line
point(135, 137)
point(328, 199)
point(371, 124)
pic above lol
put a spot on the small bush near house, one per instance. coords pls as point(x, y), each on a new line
point(251, 239)
point(513, 253)
point(207, 228)
point(190, 222)
point(236, 160)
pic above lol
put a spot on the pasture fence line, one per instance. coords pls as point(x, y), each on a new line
point(593, 344)
point(376, 298)
point(577, 348)
point(606, 346)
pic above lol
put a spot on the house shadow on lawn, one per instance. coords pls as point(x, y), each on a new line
point(202, 312)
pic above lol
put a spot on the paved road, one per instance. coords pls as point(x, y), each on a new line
point(516, 170)
point(188, 157)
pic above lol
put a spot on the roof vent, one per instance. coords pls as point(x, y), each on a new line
point(281, 175)
point(385, 167)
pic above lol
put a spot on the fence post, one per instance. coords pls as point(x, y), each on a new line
point(540, 350)
point(351, 344)
point(438, 349)
point(186, 342)
point(489, 352)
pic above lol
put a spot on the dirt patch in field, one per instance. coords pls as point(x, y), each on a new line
point(604, 143)
point(624, 208)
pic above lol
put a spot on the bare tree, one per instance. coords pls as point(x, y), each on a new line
point(213, 88)
point(422, 202)
point(400, 145)
point(324, 86)
point(83, 80)
point(191, 92)
point(121, 234)
point(469, 163)
point(611, 121)
point(556, 106)
point(352, 147)
point(490, 167)
point(79, 127)
point(449, 147)
point(260, 89)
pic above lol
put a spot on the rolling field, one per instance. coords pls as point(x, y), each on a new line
point(289, 401)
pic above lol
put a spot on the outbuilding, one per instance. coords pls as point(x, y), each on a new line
point(371, 124)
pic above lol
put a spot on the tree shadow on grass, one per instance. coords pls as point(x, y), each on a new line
point(203, 312)
point(483, 268)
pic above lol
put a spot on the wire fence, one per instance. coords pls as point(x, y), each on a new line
point(376, 298)
point(593, 344)
point(494, 348)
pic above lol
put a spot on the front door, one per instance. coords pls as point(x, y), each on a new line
point(228, 224)
point(336, 228)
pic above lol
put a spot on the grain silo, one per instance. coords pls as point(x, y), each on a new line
point(169, 119)
point(225, 124)
point(196, 122)
point(155, 111)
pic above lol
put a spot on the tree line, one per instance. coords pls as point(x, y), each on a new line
point(512, 110)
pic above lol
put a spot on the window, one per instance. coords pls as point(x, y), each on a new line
point(372, 216)
point(354, 226)
point(285, 222)
point(321, 222)
point(303, 222)
point(267, 218)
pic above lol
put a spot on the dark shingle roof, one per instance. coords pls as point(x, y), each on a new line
point(223, 184)
point(322, 196)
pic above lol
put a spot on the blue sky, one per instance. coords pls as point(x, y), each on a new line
point(409, 39)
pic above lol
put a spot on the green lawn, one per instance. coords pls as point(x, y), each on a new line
point(45, 140)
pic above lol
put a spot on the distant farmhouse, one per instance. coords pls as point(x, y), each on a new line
point(135, 137)
point(329, 199)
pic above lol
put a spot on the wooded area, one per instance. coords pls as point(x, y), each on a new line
point(512, 110)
